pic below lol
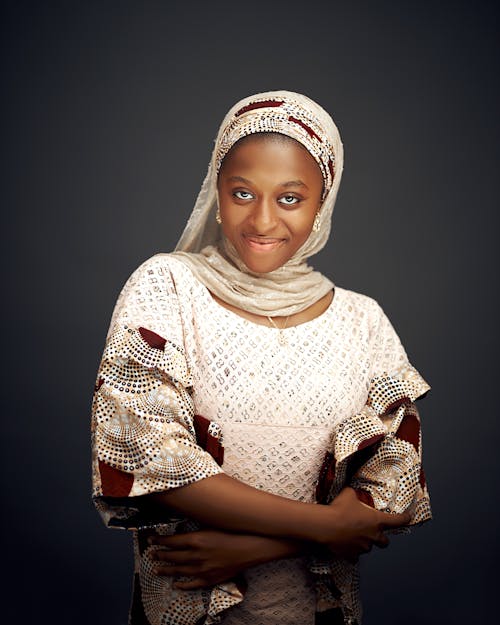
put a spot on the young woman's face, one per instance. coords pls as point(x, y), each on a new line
point(269, 193)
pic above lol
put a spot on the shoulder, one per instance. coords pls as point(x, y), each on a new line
point(386, 347)
point(163, 272)
point(364, 311)
point(162, 264)
point(154, 292)
point(358, 304)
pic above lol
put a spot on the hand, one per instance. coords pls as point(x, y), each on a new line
point(212, 556)
point(357, 526)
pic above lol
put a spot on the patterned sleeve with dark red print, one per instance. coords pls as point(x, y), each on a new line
point(145, 435)
point(378, 452)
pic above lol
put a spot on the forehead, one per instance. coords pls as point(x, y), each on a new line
point(274, 150)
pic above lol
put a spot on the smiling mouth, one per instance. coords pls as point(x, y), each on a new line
point(262, 244)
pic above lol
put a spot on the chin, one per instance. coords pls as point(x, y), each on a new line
point(262, 262)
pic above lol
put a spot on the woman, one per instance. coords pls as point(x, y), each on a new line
point(234, 335)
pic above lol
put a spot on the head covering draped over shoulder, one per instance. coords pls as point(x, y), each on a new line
point(213, 259)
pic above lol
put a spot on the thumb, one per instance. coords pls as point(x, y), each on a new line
point(395, 520)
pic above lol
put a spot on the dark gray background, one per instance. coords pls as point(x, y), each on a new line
point(109, 112)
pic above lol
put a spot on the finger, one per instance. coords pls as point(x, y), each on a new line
point(395, 520)
point(164, 569)
point(382, 541)
point(193, 584)
point(366, 549)
point(179, 557)
point(178, 541)
point(170, 570)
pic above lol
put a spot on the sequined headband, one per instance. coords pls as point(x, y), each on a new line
point(286, 117)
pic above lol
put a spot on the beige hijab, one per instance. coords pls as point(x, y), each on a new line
point(212, 258)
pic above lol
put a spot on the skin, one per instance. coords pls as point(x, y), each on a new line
point(269, 192)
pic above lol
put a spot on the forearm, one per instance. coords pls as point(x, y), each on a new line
point(212, 556)
point(346, 526)
point(262, 549)
point(227, 504)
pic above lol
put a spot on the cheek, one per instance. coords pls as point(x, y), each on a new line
point(301, 226)
point(225, 211)
point(229, 208)
point(231, 219)
point(232, 222)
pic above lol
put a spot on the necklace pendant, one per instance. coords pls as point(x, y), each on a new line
point(281, 334)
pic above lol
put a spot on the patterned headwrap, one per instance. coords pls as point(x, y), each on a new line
point(286, 117)
point(213, 259)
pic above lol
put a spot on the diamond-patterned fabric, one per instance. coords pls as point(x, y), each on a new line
point(287, 412)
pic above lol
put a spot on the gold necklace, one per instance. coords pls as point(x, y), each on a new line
point(281, 335)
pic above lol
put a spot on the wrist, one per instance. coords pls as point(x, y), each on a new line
point(321, 530)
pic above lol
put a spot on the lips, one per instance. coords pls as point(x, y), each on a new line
point(262, 244)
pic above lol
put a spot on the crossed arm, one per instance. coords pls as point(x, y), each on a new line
point(248, 527)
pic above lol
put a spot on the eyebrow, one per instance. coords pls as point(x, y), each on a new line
point(294, 183)
point(290, 183)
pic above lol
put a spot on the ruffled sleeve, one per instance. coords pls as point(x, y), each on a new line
point(377, 451)
point(144, 430)
point(390, 476)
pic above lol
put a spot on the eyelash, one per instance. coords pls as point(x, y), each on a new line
point(235, 194)
point(297, 200)
point(292, 197)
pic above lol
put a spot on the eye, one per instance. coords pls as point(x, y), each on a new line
point(289, 200)
point(243, 195)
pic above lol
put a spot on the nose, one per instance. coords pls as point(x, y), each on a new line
point(264, 217)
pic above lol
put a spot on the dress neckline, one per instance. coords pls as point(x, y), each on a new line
point(233, 315)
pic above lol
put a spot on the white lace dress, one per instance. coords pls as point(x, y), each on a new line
point(275, 400)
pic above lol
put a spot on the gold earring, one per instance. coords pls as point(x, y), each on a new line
point(316, 223)
point(218, 218)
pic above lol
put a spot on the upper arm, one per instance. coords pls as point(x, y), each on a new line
point(143, 430)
